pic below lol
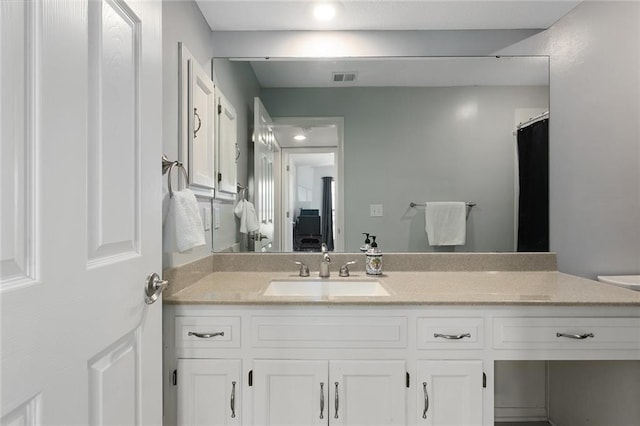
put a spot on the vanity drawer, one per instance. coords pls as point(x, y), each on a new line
point(207, 332)
point(450, 333)
point(566, 333)
point(328, 332)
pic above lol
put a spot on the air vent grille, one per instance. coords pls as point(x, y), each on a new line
point(344, 77)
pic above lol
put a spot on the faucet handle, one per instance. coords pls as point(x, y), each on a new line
point(304, 269)
point(344, 269)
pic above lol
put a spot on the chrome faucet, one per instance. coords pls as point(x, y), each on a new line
point(324, 264)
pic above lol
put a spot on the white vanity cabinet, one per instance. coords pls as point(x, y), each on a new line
point(210, 392)
point(335, 392)
point(305, 364)
point(290, 392)
point(450, 392)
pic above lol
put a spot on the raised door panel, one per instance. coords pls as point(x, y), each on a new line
point(114, 132)
point(449, 393)
point(209, 392)
point(18, 133)
point(227, 146)
point(290, 393)
point(367, 393)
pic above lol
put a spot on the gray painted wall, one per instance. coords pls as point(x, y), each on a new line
point(181, 22)
point(595, 137)
point(421, 144)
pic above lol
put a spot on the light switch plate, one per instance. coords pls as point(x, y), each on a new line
point(216, 218)
point(206, 214)
point(376, 210)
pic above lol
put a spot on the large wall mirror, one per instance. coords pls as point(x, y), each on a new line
point(390, 132)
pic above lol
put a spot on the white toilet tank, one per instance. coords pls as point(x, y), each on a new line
point(627, 281)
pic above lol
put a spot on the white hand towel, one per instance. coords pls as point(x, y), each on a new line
point(446, 223)
point(182, 227)
point(246, 212)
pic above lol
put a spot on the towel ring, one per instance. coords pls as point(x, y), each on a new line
point(167, 166)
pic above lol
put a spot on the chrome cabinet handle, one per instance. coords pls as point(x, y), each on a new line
point(337, 402)
point(205, 335)
point(197, 129)
point(233, 400)
point(322, 400)
point(575, 336)
point(426, 400)
point(452, 336)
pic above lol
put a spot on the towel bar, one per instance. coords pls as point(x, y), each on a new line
point(412, 204)
point(469, 204)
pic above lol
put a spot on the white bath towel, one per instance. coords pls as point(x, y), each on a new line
point(246, 212)
point(446, 223)
point(182, 227)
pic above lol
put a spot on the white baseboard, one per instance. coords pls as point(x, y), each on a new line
point(520, 414)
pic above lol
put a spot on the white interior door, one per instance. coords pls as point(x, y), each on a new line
point(80, 120)
point(227, 146)
point(266, 173)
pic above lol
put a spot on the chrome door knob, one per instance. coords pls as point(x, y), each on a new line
point(153, 287)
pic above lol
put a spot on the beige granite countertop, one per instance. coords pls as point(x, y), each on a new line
point(417, 288)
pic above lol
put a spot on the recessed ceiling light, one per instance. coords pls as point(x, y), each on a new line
point(324, 11)
point(299, 137)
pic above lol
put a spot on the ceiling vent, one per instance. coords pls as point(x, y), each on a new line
point(344, 77)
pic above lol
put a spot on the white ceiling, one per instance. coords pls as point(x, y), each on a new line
point(406, 72)
point(313, 159)
point(245, 15)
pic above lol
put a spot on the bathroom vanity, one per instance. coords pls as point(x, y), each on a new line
point(422, 355)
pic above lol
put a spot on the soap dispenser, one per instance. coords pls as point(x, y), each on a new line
point(367, 243)
point(374, 259)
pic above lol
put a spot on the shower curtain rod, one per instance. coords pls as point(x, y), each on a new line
point(533, 120)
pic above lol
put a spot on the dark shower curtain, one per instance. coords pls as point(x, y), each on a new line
point(533, 166)
point(327, 212)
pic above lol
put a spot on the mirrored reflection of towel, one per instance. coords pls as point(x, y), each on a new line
point(446, 223)
point(246, 212)
point(182, 227)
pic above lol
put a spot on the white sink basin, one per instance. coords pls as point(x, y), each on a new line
point(627, 281)
point(325, 288)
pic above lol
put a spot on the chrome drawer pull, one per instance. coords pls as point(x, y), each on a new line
point(233, 400)
point(452, 336)
point(206, 335)
point(337, 401)
point(322, 400)
point(575, 336)
point(426, 400)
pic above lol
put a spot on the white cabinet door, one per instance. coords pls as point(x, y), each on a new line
point(209, 392)
point(202, 105)
point(290, 392)
point(227, 146)
point(367, 393)
point(449, 393)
